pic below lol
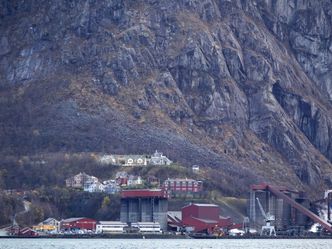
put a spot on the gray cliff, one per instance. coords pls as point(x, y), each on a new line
point(242, 88)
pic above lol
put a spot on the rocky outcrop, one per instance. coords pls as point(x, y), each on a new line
point(306, 26)
point(315, 124)
point(239, 87)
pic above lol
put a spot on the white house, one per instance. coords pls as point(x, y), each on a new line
point(107, 159)
point(80, 180)
point(94, 187)
point(121, 174)
point(134, 180)
point(159, 159)
point(51, 221)
point(156, 158)
point(111, 187)
point(110, 181)
point(195, 169)
point(132, 160)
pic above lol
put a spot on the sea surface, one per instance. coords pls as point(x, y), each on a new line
point(164, 243)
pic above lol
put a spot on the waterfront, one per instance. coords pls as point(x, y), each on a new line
point(164, 244)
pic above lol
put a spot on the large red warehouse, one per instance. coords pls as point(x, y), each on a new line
point(201, 211)
point(80, 223)
point(204, 217)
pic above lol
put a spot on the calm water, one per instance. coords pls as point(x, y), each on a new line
point(162, 244)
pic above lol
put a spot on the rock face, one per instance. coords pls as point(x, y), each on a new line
point(242, 88)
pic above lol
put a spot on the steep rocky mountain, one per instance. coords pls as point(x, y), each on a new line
point(241, 88)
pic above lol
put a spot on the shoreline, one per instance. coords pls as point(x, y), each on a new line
point(158, 236)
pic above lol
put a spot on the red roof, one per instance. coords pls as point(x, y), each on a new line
point(27, 231)
point(144, 193)
point(80, 223)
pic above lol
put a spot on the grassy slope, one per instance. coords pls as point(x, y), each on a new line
point(49, 196)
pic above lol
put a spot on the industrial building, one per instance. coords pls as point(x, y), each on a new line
point(81, 223)
point(147, 227)
point(281, 208)
point(110, 227)
point(203, 218)
point(144, 205)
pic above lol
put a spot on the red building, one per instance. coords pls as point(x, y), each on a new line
point(202, 211)
point(204, 218)
point(15, 230)
point(183, 185)
point(81, 223)
point(27, 232)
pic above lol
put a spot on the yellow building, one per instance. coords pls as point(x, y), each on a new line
point(47, 225)
point(45, 228)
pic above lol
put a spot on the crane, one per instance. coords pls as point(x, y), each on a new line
point(267, 229)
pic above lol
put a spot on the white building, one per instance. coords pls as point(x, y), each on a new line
point(111, 187)
point(147, 227)
point(159, 159)
point(121, 174)
point(195, 169)
point(80, 180)
point(110, 227)
point(134, 180)
point(134, 160)
point(51, 221)
point(94, 187)
point(107, 159)
point(110, 181)
point(156, 158)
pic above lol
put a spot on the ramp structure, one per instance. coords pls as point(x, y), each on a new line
point(281, 194)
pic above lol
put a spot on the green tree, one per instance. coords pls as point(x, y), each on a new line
point(106, 202)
